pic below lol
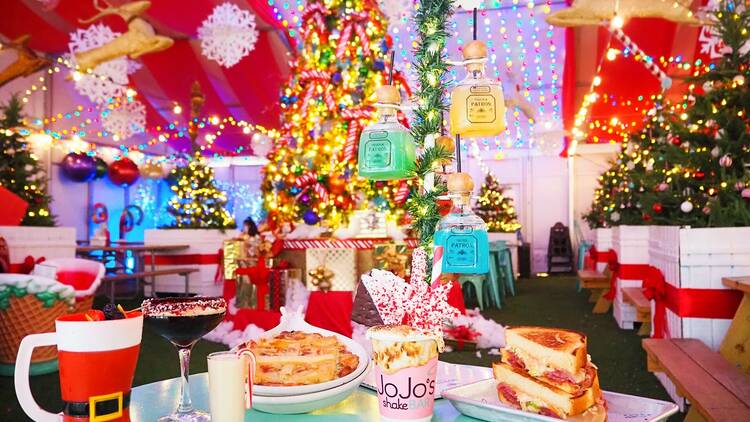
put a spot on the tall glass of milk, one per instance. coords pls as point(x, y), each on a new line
point(227, 381)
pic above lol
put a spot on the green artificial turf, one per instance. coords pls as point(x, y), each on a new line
point(551, 302)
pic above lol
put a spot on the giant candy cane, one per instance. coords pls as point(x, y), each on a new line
point(655, 70)
point(314, 16)
point(314, 79)
point(354, 117)
point(355, 23)
point(309, 181)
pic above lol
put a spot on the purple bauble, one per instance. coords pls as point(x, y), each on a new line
point(309, 217)
point(78, 167)
point(305, 199)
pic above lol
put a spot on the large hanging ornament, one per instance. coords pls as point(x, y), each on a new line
point(125, 121)
point(107, 80)
point(123, 172)
point(228, 34)
point(686, 207)
point(78, 167)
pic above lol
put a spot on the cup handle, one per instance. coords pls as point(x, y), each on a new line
point(21, 377)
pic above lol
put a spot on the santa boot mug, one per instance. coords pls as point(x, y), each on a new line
point(97, 362)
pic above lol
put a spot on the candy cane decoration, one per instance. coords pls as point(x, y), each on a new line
point(355, 24)
point(313, 79)
point(437, 263)
point(128, 221)
point(317, 14)
point(402, 193)
point(655, 70)
point(308, 181)
point(244, 351)
point(99, 213)
point(354, 117)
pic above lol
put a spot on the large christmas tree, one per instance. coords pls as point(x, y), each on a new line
point(20, 172)
point(312, 173)
point(690, 164)
point(496, 209)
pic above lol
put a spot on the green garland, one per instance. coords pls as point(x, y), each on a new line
point(431, 20)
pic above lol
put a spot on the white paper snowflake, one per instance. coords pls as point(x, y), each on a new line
point(126, 120)
point(228, 34)
point(396, 11)
point(110, 79)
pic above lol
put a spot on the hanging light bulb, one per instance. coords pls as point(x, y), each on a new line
point(617, 22)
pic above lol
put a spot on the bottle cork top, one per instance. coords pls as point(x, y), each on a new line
point(460, 182)
point(389, 94)
point(475, 50)
point(445, 142)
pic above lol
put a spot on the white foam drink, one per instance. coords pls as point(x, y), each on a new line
point(227, 379)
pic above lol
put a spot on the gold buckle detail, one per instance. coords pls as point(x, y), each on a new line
point(93, 400)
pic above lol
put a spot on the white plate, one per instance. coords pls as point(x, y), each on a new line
point(449, 375)
point(295, 321)
point(304, 403)
point(479, 400)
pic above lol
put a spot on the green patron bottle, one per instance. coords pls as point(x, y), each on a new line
point(386, 148)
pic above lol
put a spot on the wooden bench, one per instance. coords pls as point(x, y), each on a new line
point(717, 391)
point(113, 279)
point(635, 297)
point(598, 283)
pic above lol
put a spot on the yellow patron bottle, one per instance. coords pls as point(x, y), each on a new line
point(477, 104)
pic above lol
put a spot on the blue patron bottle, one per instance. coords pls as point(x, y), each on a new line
point(462, 234)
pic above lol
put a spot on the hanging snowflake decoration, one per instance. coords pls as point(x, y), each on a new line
point(397, 11)
point(108, 80)
point(228, 34)
point(125, 121)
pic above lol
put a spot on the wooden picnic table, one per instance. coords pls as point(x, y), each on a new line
point(736, 345)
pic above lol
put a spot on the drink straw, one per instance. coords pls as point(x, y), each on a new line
point(390, 74)
point(244, 351)
point(474, 12)
point(458, 152)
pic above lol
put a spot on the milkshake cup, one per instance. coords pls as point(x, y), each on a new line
point(405, 372)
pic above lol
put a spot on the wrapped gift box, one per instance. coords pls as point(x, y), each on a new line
point(342, 262)
point(393, 257)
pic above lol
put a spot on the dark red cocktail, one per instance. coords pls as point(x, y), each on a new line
point(183, 321)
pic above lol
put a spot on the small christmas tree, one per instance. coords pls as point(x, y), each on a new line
point(197, 202)
point(20, 172)
point(496, 209)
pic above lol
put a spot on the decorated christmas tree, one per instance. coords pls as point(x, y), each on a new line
point(312, 173)
point(197, 202)
point(496, 210)
point(713, 185)
point(688, 166)
point(20, 172)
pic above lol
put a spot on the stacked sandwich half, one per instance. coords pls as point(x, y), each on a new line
point(548, 371)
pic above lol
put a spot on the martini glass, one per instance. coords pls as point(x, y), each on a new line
point(183, 321)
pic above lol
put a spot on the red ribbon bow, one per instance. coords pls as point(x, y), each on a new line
point(355, 23)
point(461, 334)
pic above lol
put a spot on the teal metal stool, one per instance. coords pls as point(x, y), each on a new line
point(478, 281)
point(583, 248)
point(495, 287)
point(505, 268)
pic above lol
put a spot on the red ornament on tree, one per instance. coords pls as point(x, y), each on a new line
point(657, 208)
point(674, 139)
point(699, 175)
point(123, 172)
point(646, 217)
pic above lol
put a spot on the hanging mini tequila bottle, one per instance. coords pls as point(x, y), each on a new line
point(386, 148)
point(461, 233)
point(477, 104)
